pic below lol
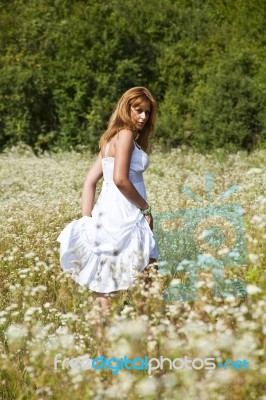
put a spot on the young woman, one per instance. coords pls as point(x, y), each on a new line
point(113, 241)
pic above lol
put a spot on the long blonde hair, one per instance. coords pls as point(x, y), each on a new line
point(120, 118)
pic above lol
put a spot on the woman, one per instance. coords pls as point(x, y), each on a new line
point(113, 241)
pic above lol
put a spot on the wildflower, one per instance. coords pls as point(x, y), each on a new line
point(253, 289)
point(147, 387)
point(16, 333)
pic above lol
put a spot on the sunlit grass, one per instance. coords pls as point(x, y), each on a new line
point(43, 312)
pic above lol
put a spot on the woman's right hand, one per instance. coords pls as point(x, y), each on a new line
point(149, 219)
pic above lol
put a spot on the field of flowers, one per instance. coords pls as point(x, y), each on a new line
point(43, 312)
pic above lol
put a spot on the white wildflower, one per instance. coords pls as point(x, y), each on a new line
point(147, 387)
point(16, 333)
point(31, 254)
point(253, 289)
point(253, 258)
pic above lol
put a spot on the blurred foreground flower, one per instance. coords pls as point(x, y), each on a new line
point(16, 333)
point(252, 289)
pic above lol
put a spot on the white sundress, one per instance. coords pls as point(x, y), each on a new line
point(107, 250)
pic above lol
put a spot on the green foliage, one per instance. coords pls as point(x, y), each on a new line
point(65, 63)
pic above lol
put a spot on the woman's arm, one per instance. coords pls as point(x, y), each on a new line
point(123, 151)
point(89, 187)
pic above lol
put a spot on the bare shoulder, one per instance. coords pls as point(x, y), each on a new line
point(125, 135)
point(124, 139)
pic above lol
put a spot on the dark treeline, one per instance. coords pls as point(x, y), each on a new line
point(65, 63)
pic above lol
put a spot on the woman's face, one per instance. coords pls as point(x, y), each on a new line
point(140, 114)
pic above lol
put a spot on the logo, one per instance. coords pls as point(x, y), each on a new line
point(140, 364)
point(202, 238)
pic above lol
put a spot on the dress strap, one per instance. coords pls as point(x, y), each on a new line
point(107, 148)
point(137, 145)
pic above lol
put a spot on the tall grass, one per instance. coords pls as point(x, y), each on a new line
point(43, 312)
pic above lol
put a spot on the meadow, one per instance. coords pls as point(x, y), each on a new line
point(43, 312)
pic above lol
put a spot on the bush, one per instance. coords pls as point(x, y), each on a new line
point(64, 64)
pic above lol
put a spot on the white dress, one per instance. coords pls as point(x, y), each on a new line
point(107, 250)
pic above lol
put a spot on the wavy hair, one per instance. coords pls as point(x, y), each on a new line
point(121, 119)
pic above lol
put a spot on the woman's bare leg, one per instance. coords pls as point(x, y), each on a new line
point(103, 301)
